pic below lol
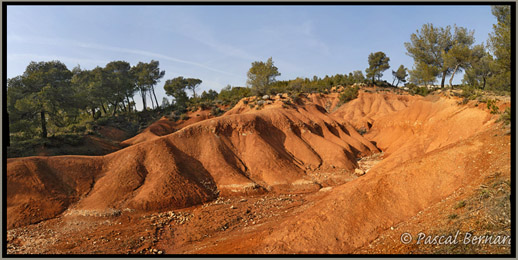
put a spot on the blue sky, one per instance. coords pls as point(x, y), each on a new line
point(217, 44)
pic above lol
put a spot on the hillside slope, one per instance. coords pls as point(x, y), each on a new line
point(265, 150)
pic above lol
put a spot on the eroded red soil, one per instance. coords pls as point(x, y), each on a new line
point(282, 179)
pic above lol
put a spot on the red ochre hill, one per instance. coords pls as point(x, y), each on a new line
point(268, 176)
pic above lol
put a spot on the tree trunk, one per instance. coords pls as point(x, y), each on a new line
point(104, 109)
point(453, 74)
point(397, 82)
point(484, 84)
point(43, 124)
point(153, 89)
point(143, 94)
point(443, 78)
point(93, 113)
point(115, 108)
point(124, 106)
point(393, 82)
point(151, 97)
point(129, 103)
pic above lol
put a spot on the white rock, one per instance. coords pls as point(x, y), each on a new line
point(359, 172)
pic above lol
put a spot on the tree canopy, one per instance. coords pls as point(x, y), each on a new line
point(176, 88)
point(400, 75)
point(193, 84)
point(261, 75)
point(437, 47)
point(500, 46)
point(378, 62)
point(45, 88)
point(145, 76)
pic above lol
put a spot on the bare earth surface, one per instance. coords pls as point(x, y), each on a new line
point(287, 178)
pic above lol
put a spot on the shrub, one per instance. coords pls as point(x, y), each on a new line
point(216, 111)
point(491, 105)
point(452, 216)
point(361, 131)
point(470, 92)
point(184, 117)
point(423, 91)
point(205, 105)
point(349, 94)
point(296, 98)
point(460, 204)
point(506, 116)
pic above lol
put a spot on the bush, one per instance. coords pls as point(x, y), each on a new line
point(383, 84)
point(470, 92)
point(460, 204)
point(76, 128)
point(452, 216)
point(506, 116)
point(205, 105)
point(423, 91)
point(184, 117)
point(232, 95)
point(349, 94)
point(216, 111)
point(361, 131)
point(296, 98)
point(491, 105)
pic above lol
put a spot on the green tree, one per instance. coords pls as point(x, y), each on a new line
point(176, 88)
point(120, 82)
point(146, 76)
point(461, 54)
point(378, 62)
point(165, 102)
point(358, 77)
point(99, 88)
point(261, 75)
point(479, 71)
point(500, 45)
point(427, 46)
point(423, 74)
point(22, 112)
point(155, 74)
point(47, 89)
point(193, 84)
point(88, 89)
point(209, 95)
point(432, 45)
point(399, 75)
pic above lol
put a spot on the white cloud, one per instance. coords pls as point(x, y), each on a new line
point(73, 43)
point(65, 59)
